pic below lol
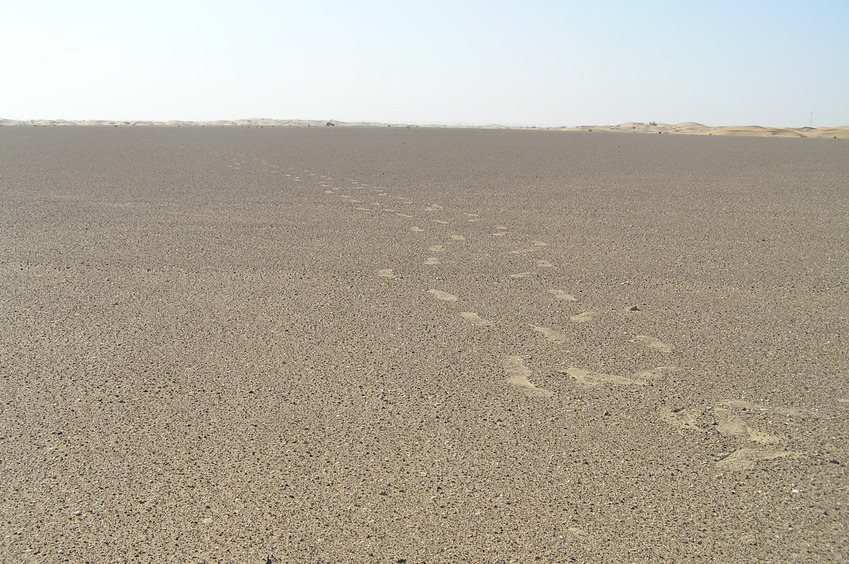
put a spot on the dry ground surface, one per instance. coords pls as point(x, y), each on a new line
point(411, 345)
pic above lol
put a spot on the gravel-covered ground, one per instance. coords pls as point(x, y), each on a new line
point(416, 345)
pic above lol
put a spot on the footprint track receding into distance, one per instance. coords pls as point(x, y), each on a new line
point(518, 374)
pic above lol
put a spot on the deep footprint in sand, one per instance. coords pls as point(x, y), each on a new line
point(444, 296)
point(721, 417)
point(476, 319)
point(386, 273)
point(519, 375)
point(436, 248)
point(432, 261)
point(416, 229)
point(652, 343)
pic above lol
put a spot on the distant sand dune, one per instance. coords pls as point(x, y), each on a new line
point(693, 128)
point(684, 128)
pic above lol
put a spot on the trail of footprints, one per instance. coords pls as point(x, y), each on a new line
point(727, 418)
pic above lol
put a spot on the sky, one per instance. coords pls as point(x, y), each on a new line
point(529, 63)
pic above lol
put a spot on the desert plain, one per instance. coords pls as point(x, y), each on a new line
point(353, 344)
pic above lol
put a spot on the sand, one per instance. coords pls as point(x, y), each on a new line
point(234, 345)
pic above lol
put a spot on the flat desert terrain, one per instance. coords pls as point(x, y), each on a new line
point(422, 345)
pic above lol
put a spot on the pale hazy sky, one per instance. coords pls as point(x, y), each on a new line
point(531, 62)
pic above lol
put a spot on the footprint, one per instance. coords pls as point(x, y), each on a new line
point(583, 317)
point(590, 378)
point(561, 295)
point(499, 234)
point(652, 343)
point(436, 248)
point(544, 264)
point(471, 214)
point(386, 273)
point(444, 296)
point(550, 334)
point(747, 458)
point(403, 215)
point(433, 207)
point(440, 221)
point(539, 243)
point(416, 229)
point(522, 275)
point(476, 319)
point(432, 260)
point(519, 375)
point(458, 238)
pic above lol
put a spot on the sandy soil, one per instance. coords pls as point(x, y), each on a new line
point(392, 345)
